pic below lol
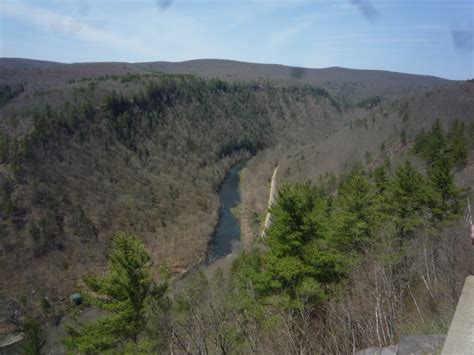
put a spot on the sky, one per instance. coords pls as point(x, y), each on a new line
point(433, 37)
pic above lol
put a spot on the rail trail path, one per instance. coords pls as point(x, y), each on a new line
point(271, 200)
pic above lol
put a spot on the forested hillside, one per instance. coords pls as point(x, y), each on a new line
point(369, 136)
point(341, 268)
point(93, 151)
point(146, 159)
point(360, 263)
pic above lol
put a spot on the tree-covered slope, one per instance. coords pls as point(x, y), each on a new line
point(87, 150)
point(146, 159)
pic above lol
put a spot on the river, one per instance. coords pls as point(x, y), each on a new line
point(227, 233)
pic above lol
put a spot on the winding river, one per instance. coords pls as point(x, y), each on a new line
point(227, 233)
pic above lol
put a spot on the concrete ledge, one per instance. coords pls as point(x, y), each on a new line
point(460, 339)
point(410, 345)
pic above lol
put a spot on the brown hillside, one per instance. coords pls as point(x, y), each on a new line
point(149, 159)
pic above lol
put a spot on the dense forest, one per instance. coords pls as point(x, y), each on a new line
point(341, 268)
point(143, 154)
point(108, 186)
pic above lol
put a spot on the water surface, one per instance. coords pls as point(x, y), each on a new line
point(227, 233)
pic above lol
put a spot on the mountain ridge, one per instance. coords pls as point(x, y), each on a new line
point(355, 84)
point(46, 63)
point(90, 149)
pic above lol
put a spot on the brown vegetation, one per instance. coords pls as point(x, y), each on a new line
point(124, 148)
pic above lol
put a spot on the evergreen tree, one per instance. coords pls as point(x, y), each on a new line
point(436, 143)
point(380, 177)
point(457, 143)
point(429, 145)
point(356, 212)
point(445, 197)
point(298, 217)
point(407, 196)
point(124, 294)
point(442, 153)
point(300, 261)
point(34, 337)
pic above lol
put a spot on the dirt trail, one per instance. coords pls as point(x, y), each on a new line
point(271, 200)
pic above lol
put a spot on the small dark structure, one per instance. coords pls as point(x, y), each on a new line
point(76, 298)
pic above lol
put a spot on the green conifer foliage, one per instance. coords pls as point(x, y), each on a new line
point(124, 294)
point(407, 196)
point(300, 261)
point(356, 213)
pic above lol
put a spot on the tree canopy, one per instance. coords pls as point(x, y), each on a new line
point(124, 295)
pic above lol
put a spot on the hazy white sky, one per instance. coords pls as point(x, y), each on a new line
point(419, 36)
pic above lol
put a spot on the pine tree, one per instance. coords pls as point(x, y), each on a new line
point(442, 153)
point(407, 196)
point(436, 142)
point(445, 197)
point(457, 143)
point(380, 176)
point(356, 212)
point(300, 262)
point(34, 337)
point(124, 295)
point(429, 145)
point(295, 221)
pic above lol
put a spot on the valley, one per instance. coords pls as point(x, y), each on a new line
point(154, 149)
